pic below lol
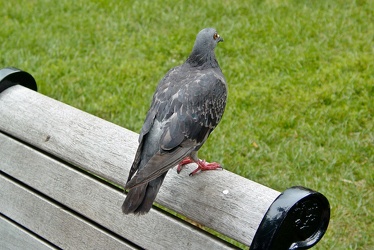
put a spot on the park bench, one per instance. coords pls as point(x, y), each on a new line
point(62, 173)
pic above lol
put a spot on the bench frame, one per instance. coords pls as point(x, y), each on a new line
point(294, 219)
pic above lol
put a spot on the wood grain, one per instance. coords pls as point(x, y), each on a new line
point(92, 199)
point(221, 200)
point(52, 222)
point(14, 237)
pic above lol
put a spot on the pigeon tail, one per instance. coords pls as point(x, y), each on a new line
point(139, 199)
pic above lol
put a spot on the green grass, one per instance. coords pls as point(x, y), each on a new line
point(300, 75)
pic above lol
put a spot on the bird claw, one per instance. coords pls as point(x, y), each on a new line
point(182, 163)
point(202, 166)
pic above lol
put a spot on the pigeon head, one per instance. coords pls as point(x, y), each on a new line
point(207, 39)
point(203, 51)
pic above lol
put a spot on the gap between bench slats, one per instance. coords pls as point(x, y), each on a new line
point(52, 222)
point(14, 237)
point(223, 201)
point(92, 199)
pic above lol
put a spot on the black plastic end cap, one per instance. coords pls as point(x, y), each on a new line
point(12, 76)
point(297, 219)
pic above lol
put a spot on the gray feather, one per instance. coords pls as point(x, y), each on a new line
point(188, 104)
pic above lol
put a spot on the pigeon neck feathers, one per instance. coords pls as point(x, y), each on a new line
point(202, 54)
point(204, 59)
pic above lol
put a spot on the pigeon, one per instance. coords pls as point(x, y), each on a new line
point(188, 104)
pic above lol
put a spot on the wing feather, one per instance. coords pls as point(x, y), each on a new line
point(187, 107)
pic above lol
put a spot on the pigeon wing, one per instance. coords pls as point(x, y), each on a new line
point(165, 90)
point(188, 115)
point(198, 108)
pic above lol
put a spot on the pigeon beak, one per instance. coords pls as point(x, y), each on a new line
point(220, 39)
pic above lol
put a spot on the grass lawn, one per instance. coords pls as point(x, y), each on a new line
point(300, 75)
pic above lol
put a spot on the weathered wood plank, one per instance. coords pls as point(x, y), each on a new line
point(68, 133)
point(220, 200)
point(52, 222)
point(14, 237)
point(89, 197)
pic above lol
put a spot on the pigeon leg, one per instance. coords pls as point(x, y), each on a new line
point(185, 161)
point(204, 166)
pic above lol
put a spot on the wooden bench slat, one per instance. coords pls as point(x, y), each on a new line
point(14, 237)
point(52, 222)
point(221, 200)
point(91, 198)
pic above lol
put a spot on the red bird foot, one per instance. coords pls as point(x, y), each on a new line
point(202, 165)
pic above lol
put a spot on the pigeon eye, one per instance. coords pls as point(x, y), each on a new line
point(215, 36)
